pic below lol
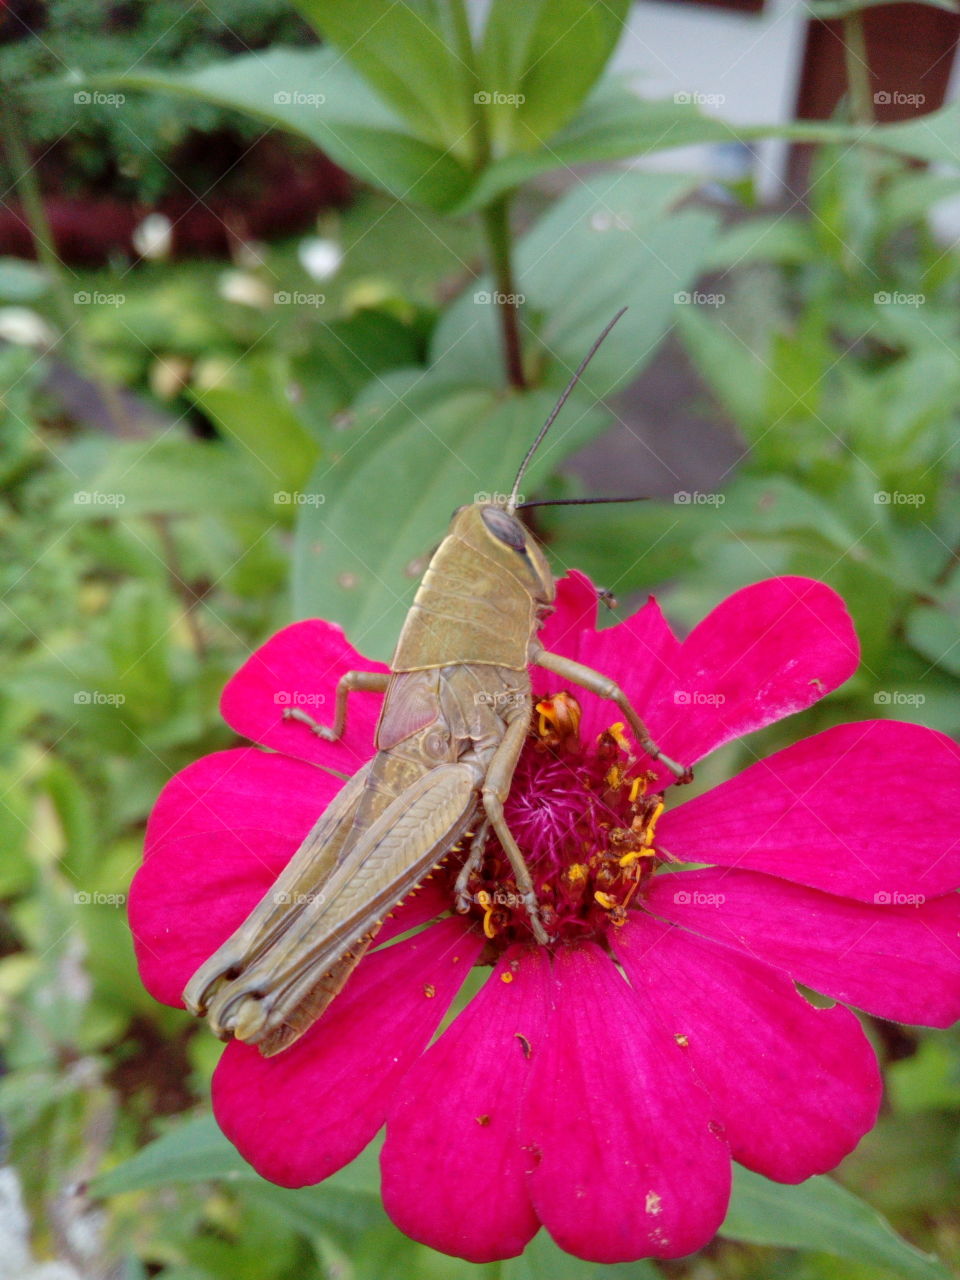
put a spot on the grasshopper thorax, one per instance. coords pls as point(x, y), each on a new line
point(483, 596)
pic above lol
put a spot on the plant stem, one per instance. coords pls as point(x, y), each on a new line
point(496, 219)
point(857, 64)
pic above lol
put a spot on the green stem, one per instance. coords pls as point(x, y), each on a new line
point(496, 219)
point(857, 63)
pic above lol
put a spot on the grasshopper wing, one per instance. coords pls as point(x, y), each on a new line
point(277, 997)
point(300, 881)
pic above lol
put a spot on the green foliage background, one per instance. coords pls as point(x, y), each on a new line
point(152, 543)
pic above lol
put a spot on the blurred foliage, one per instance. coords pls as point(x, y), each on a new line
point(131, 151)
point(194, 454)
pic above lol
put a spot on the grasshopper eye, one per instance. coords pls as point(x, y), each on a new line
point(505, 528)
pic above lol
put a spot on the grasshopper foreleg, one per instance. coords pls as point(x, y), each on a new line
point(596, 682)
point(496, 788)
point(349, 682)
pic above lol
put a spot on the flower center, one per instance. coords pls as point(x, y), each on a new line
point(584, 819)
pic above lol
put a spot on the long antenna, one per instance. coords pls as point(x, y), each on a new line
point(580, 502)
point(512, 504)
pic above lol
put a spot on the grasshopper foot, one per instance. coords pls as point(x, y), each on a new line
point(321, 730)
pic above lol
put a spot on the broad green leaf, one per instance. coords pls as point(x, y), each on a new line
point(935, 633)
point(317, 94)
point(616, 123)
point(821, 1215)
point(537, 63)
point(931, 137)
point(608, 243)
point(416, 56)
point(266, 430)
point(192, 1151)
point(360, 555)
point(167, 477)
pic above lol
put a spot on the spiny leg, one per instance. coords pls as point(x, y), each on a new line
point(596, 682)
point(473, 863)
point(349, 682)
point(496, 788)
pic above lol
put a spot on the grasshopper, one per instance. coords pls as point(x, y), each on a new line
point(454, 720)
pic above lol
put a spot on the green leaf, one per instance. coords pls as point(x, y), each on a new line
point(821, 1215)
point(415, 57)
point(193, 1151)
point(267, 431)
point(615, 123)
point(931, 137)
point(164, 477)
point(608, 243)
point(538, 62)
point(317, 94)
point(934, 632)
point(410, 459)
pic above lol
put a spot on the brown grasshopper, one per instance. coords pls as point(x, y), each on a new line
point(454, 721)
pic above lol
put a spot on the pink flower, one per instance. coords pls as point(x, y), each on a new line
point(601, 1086)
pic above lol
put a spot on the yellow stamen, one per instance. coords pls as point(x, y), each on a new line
point(629, 858)
point(616, 732)
point(576, 872)
point(506, 977)
point(605, 900)
point(638, 787)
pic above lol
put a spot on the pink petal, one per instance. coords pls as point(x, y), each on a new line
point(575, 612)
point(639, 653)
point(299, 668)
point(628, 1165)
point(238, 789)
point(221, 833)
point(765, 652)
point(301, 1115)
point(829, 812)
point(454, 1172)
point(898, 962)
point(795, 1087)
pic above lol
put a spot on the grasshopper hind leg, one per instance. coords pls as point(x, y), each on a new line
point(473, 863)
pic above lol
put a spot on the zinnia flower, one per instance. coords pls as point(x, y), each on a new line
point(599, 1086)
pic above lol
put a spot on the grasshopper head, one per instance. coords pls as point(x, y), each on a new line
point(501, 536)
